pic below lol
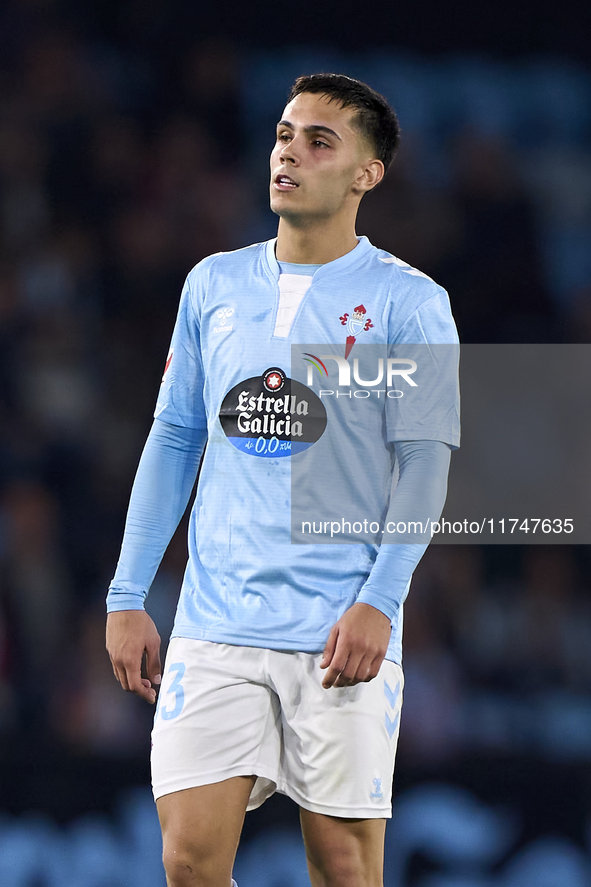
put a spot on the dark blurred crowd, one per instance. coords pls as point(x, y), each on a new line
point(497, 658)
point(119, 170)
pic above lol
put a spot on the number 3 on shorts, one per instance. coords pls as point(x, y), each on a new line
point(179, 694)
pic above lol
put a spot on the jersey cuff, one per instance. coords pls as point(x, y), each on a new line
point(124, 600)
point(381, 602)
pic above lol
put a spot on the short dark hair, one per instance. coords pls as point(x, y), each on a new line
point(375, 119)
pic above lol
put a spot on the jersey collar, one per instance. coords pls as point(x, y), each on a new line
point(330, 268)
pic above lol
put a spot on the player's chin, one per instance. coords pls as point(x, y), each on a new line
point(281, 199)
point(286, 212)
point(297, 215)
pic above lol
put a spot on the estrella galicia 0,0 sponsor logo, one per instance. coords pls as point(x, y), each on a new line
point(272, 415)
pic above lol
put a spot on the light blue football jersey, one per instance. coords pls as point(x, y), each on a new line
point(230, 374)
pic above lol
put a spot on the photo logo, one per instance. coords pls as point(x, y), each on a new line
point(389, 370)
point(317, 363)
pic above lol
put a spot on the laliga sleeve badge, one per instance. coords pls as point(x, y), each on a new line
point(167, 364)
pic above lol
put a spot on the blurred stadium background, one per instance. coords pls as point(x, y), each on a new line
point(133, 141)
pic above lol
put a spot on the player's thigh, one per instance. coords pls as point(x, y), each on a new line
point(344, 852)
point(201, 826)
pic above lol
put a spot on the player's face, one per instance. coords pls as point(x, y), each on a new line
point(318, 160)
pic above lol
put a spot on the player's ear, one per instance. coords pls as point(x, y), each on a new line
point(371, 174)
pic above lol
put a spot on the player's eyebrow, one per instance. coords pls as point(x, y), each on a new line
point(314, 127)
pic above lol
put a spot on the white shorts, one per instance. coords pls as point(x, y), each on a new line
point(230, 711)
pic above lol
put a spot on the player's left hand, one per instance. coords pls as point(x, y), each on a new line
point(356, 646)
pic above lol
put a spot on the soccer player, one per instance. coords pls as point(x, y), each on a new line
point(284, 667)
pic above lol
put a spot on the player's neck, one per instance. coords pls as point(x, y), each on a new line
point(314, 245)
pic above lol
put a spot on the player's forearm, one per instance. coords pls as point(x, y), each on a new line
point(163, 483)
point(419, 498)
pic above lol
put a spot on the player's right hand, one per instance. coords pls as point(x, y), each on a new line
point(130, 634)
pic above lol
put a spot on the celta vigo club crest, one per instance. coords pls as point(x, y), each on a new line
point(355, 323)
